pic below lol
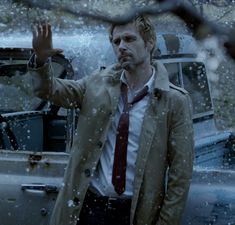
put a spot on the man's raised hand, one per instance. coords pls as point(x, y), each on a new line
point(42, 42)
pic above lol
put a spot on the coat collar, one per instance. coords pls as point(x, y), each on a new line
point(161, 79)
point(161, 82)
point(112, 74)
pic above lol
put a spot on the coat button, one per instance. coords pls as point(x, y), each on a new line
point(157, 94)
point(100, 144)
point(43, 211)
point(87, 172)
point(76, 201)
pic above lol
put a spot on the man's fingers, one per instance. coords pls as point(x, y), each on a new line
point(44, 30)
point(42, 41)
point(39, 29)
point(34, 31)
point(49, 32)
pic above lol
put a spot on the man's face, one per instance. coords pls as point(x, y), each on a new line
point(129, 47)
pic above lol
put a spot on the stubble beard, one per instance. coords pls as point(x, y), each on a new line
point(130, 65)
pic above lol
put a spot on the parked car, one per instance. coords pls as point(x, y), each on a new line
point(35, 135)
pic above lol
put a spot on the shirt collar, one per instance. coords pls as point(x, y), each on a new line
point(149, 83)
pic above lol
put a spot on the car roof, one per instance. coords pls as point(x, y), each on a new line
point(91, 49)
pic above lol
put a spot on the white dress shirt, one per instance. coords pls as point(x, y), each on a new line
point(102, 179)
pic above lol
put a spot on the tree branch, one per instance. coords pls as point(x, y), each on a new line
point(199, 25)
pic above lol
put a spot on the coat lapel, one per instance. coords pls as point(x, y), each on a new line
point(147, 134)
point(153, 114)
point(150, 127)
point(112, 76)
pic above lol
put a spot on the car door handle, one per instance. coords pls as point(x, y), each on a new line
point(48, 188)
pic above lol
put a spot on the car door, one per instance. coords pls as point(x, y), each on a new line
point(34, 136)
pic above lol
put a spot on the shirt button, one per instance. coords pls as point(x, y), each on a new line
point(100, 144)
point(87, 172)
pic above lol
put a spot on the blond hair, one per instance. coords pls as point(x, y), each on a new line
point(145, 28)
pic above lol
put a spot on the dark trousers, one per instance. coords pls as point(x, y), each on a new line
point(99, 210)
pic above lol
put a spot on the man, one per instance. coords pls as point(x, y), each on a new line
point(131, 160)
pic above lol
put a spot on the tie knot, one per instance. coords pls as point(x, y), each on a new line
point(140, 95)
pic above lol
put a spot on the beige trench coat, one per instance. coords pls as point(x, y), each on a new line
point(166, 141)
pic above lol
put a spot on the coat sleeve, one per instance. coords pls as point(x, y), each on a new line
point(180, 160)
point(62, 92)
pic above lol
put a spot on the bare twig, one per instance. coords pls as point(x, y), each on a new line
point(84, 12)
point(225, 14)
point(199, 25)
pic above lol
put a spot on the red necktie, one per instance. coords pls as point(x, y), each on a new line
point(120, 155)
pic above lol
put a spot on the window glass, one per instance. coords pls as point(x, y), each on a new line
point(32, 131)
point(195, 82)
point(173, 72)
point(16, 92)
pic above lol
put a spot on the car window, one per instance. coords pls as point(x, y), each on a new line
point(16, 92)
point(192, 77)
point(33, 123)
point(195, 82)
point(173, 72)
